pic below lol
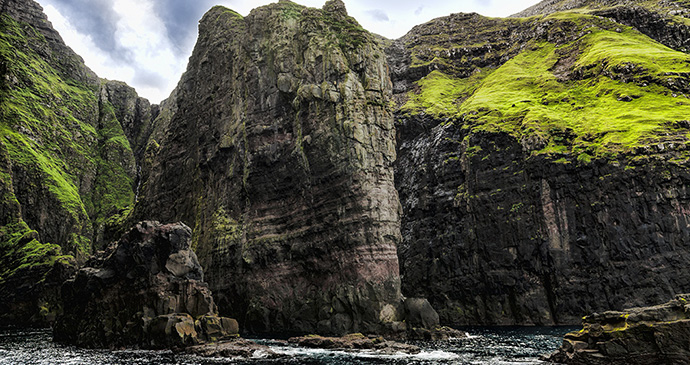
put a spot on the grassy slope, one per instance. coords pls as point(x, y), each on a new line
point(624, 93)
point(54, 133)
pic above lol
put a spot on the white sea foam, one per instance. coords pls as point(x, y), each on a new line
point(436, 355)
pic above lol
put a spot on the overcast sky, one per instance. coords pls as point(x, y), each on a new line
point(146, 43)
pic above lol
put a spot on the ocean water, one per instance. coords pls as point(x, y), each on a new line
point(486, 345)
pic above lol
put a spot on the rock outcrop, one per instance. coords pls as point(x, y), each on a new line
point(146, 291)
point(280, 156)
point(238, 348)
point(665, 20)
point(649, 335)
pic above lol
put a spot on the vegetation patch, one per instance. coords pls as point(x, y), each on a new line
point(620, 92)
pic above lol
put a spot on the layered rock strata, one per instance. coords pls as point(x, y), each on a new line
point(648, 335)
point(147, 291)
point(279, 155)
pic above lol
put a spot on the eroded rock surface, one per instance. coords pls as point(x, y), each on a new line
point(647, 335)
point(146, 290)
point(505, 219)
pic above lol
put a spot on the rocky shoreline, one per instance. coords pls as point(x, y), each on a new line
point(648, 335)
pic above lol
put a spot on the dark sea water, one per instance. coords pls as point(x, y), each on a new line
point(515, 345)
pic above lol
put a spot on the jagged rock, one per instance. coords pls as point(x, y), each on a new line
point(280, 155)
point(146, 290)
point(354, 341)
point(648, 335)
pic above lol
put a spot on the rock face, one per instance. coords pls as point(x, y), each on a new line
point(665, 20)
point(147, 291)
point(650, 335)
point(280, 156)
point(67, 167)
point(513, 213)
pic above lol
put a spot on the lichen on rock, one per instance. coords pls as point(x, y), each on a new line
point(648, 335)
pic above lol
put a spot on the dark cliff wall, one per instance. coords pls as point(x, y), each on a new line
point(279, 155)
point(533, 190)
point(499, 237)
point(67, 165)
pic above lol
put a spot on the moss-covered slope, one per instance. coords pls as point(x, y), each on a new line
point(67, 164)
point(608, 87)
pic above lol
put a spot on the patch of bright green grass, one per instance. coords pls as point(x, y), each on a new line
point(20, 250)
point(440, 94)
point(54, 130)
point(603, 114)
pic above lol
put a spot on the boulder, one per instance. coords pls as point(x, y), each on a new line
point(234, 348)
point(648, 335)
point(420, 313)
point(144, 291)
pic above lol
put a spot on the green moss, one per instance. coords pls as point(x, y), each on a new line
point(614, 96)
point(68, 148)
point(290, 10)
point(20, 251)
point(441, 95)
point(345, 29)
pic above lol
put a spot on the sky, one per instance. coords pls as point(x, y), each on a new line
point(146, 43)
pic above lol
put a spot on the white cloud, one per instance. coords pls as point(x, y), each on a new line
point(146, 57)
point(143, 33)
point(99, 61)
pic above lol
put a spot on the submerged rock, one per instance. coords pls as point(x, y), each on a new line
point(649, 335)
point(235, 348)
point(145, 291)
point(354, 341)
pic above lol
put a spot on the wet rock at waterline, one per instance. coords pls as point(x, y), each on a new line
point(648, 335)
point(233, 348)
point(355, 341)
point(147, 290)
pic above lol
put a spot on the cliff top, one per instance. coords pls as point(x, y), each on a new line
point(677, 9)
point(566, 82)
